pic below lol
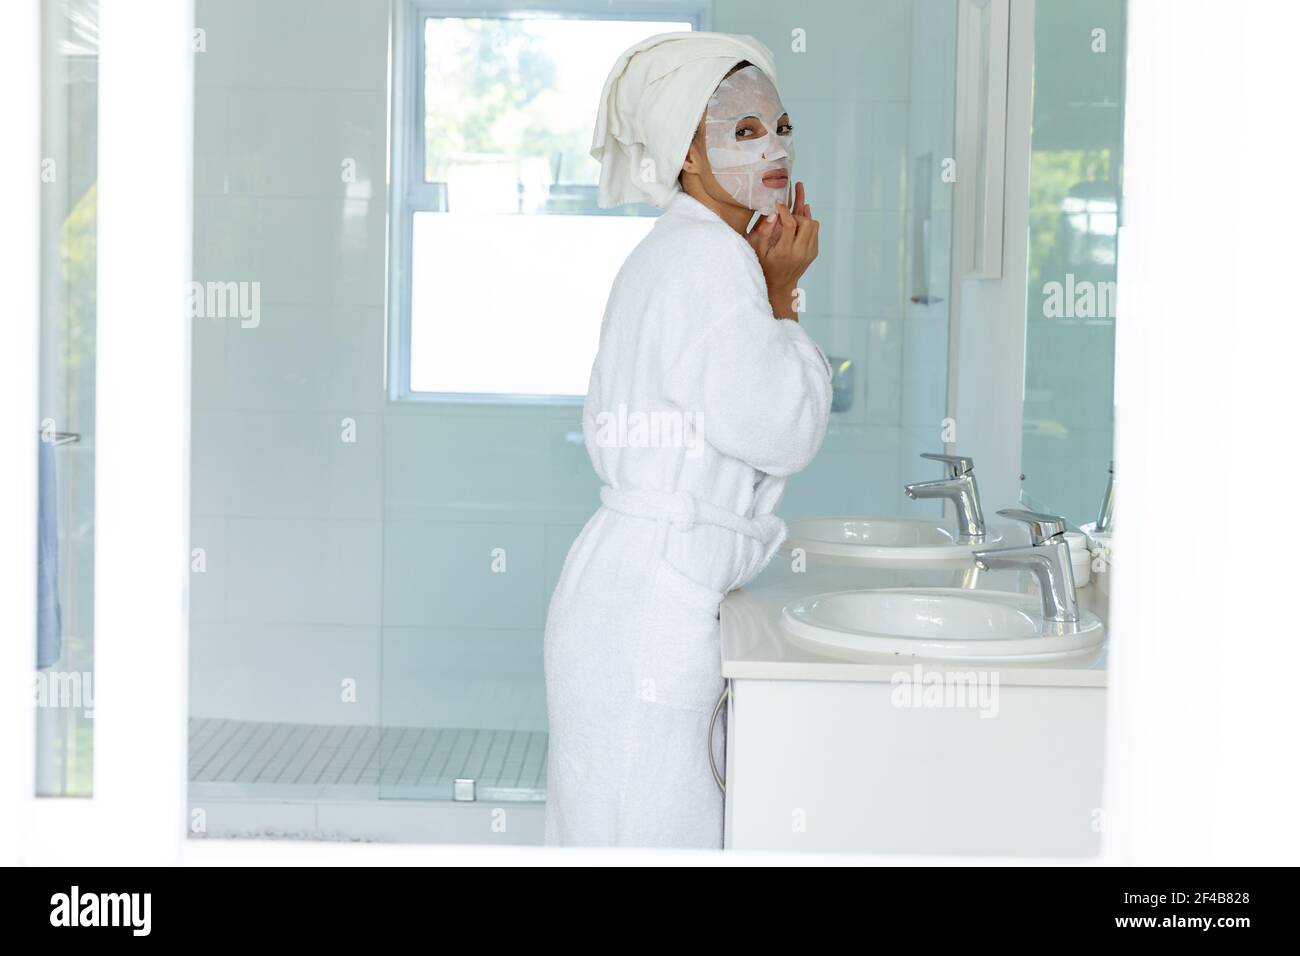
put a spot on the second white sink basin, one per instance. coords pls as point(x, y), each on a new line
point(888, 542)
point(943, 623)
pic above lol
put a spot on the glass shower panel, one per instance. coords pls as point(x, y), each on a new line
point(1075, 179)
point(65, 662)
point(288, 411)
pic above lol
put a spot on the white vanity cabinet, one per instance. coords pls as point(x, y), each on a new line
point(821, 765)
point(905, 756)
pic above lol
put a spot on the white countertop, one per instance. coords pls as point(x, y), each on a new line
point(754, 645)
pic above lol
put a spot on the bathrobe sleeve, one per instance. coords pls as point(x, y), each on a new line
point(761, 385)
point(764, 391)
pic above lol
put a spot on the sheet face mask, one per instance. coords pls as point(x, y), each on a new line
point(739, 164)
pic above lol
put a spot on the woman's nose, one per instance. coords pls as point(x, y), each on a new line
point(775, 150)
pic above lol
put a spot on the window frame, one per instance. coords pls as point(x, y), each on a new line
point(408, 193)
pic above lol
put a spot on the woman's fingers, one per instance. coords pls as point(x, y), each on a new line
point(800, 205)
point(791, 241)
point(763, 237)
point(805, 244)
point(810, 229)
point(803, 226)
point(789, 226)
point(774, 234)
point(807, 237)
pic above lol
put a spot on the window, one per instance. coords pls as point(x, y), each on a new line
point(500, 259)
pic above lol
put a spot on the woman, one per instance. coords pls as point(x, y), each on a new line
point(705, 394)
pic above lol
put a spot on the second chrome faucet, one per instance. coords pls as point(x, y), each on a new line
point(1047, 558)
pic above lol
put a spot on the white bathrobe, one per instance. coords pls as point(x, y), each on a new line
point(632, 645)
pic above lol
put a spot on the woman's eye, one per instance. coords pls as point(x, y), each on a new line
point(785, 129)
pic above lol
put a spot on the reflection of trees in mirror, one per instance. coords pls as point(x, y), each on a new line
point(1069, 342)
point(1060, 180)
point(77, 261)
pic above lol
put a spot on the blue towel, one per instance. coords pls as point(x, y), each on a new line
point(49, 624)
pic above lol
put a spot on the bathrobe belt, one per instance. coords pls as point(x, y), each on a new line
point(685, 510)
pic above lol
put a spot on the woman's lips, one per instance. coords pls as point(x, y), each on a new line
point(776, 179)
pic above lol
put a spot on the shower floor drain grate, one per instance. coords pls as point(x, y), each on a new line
point(264, 758)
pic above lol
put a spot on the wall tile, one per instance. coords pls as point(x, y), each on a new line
point(305, 571)
point(323, 252)
point(440, 574)
point(302, 44)
point(285, 672)
point(290, 142)
point(487, 678)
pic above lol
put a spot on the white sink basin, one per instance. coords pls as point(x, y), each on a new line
point(888, 542)
point(945, 623)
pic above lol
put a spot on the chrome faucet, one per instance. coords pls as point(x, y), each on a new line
point(959, 485)
point(1047, 558)
point(1106, 516)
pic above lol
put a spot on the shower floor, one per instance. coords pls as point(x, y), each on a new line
point(232, 758)
point(283, 781)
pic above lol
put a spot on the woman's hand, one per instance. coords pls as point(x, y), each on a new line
point(786, 244)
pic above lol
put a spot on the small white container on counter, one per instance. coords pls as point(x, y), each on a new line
point(1080, 558)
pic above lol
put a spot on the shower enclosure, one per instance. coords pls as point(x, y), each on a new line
point(390, 201)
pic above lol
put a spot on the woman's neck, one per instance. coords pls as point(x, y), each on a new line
point(737, 217)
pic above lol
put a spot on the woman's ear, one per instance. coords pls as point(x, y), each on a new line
point(697, 161)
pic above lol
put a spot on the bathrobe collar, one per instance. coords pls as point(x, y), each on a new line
point(684, 205)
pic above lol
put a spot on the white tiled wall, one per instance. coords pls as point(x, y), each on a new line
point(353, 581)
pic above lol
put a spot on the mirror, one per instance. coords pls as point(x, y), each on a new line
point(1076, 164)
